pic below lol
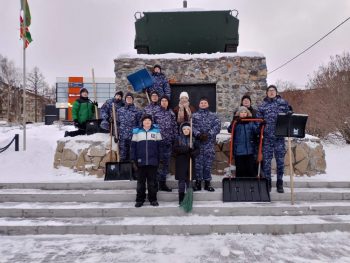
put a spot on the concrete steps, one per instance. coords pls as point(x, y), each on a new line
point(193, 225)
point(116, 195)
point(100, 207)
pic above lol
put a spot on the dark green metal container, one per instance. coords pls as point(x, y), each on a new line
point(186, 32)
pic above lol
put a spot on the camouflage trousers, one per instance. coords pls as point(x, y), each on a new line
point(204, 162)
point(124, 149)
point(164, 164)
point(274, 147)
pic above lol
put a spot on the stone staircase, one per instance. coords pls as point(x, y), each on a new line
point(108, 208)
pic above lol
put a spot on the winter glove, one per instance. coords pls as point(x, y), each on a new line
point(116, 140)
point(134, 166)
point(289, 113)
point(95, 103)
point(203, 137)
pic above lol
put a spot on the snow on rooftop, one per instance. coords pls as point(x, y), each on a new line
point(191, 56)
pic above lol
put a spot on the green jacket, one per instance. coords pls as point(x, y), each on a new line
point(83, 110)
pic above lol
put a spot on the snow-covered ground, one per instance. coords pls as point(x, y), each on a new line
point(299, 248)
point(36, 163)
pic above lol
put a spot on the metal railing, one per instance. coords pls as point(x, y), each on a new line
point(14, 139)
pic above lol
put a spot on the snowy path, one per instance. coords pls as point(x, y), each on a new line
point(320, 247)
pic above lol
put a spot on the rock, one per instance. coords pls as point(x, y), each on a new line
point(67, 163)
point(60, 146)
point(301, 167)
point(301, 152)
point(97, 151)
point(69, 155)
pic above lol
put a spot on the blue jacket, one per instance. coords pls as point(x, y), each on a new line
point(160, 85)
point(146, 146)
point(269, 110)
point(165, 119)
point(244, 138)
point(207, 122)
point(128, 118)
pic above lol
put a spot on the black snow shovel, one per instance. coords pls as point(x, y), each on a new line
point(117, 170)
point(245, 189)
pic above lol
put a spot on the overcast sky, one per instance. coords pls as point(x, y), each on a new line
point(72, 36)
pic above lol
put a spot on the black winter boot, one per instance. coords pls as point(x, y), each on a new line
point(208, 187)
point(164, 187)
point(269, 184)
point(279, 186)
point(197, 186)
point(181, 197)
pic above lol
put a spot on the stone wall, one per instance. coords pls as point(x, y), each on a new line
point(234, 75)
point(90, 153)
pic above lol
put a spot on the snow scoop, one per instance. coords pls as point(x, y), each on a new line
point(117, 170)
point(140, 81)
point(187, 202)
point(245, 189)
point(93, 126)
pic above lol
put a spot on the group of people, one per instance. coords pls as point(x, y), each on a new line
point(151, 136)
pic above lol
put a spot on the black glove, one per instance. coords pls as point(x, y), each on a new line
point(134, 166)
point(76, 123)
point(95, 103)
point(116, 140)
point(203, 137)
point(289, 112)
point(110, 119)
point(263, 122)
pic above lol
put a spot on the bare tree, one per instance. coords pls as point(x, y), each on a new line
point(283, 85)
point(37, 83)
point(332, 85)
point(11, 76)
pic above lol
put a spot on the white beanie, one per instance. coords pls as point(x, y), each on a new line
point(184, 94)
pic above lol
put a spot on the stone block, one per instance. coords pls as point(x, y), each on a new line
point(69, 155)
point(98, 151)
point(60, 146)
point(301, 152)
point(302, 166)
point(68, 163)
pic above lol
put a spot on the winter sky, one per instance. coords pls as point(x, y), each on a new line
point(72, 36)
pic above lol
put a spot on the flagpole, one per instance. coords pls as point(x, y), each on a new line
point(24, 82)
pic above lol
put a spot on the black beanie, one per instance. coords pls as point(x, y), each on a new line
point(120, 93)
point(204, 98)
point(83, 90)
point(271, 87)
point(157, 66)
point(154, 92)
point(165, 97)
point(129, 94)
point(246, 97)
point(146, 116)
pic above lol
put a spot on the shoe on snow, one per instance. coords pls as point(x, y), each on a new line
point(154, 203)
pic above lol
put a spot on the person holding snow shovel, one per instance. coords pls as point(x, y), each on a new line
point(83, 110)
point(145, 153)
point(244, 143)
point(184, 152)
point(106, 110)
point(128, 117)
point(268, 110)
point(153, 107)
point(160, 83)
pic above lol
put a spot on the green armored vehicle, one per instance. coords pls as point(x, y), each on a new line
point(186, 31)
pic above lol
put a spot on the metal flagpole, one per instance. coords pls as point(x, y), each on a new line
point(24, 79)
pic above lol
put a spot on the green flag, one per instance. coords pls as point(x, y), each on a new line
point(24, 31)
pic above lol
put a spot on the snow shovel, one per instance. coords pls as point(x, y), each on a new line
point(118, 170)
point(244, 189)
point(140, 80)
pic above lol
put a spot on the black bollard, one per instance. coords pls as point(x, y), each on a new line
point(16, 142)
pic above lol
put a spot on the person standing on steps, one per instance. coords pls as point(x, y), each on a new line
point(153, 107)
point(206, 125)
point(145, 154)
point(106, 110)
point(272, 145)
point(184, 110)
point(161, 84)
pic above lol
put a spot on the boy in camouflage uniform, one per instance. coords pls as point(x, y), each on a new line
point(128, 118)
point(106, 110)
